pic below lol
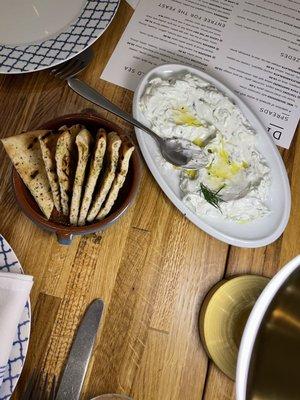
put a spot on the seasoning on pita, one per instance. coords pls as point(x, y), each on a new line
point(48, 142)
point(65, 157)
point(113, 146)
point(126, 151)
point(93, 174)
point(84, 142)
point(25, 153)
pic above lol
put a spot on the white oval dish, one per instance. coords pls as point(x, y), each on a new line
point(253, 324)
point(257, 233)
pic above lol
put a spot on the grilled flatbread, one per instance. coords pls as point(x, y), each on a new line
point(25, 153)
point(84, 142)
point(48, 142)
point(125, 155)
point(65, 157)
point(113, 146)
point(94, 172)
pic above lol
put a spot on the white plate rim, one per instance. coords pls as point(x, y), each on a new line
point(253, 324)
point(28, 330)
point(253, 243)
point(22, 48)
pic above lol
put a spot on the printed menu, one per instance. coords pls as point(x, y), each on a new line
point(133, 3)
point(252, 46)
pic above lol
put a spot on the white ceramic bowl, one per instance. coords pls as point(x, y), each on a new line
point(254, 234)
point(253, 324)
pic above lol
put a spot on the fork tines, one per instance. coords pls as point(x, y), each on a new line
point(72, 67)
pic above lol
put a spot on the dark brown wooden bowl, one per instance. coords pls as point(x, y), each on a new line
point(126, 195)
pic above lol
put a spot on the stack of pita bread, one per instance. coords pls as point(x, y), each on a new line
point(72, 172)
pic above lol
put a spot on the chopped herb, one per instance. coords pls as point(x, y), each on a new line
point(212, 197)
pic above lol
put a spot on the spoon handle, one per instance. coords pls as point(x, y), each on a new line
point(95, 97)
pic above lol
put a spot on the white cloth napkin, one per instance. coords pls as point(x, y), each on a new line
point(14, 292)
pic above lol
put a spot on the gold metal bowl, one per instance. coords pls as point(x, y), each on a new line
point(223, 316)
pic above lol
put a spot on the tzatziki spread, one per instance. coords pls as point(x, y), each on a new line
point(235, 182)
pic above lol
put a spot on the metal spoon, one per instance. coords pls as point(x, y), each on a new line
point(177, 151)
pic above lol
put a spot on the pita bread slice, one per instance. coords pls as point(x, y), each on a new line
point(126, 151)
point(94, 172)
point(113, 146)
point(84, 142)
point(48, 142)
point(65, 157)
point(25, 153)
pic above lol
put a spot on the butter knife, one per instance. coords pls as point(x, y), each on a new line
point(76, 366)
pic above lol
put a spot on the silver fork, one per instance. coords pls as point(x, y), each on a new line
point(38, 387)
point(177, 151)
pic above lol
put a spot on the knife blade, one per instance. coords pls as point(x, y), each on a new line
point(77, 362)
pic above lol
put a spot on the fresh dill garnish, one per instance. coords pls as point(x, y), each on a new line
point(212, 197)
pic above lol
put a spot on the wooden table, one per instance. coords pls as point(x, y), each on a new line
point(152, 268)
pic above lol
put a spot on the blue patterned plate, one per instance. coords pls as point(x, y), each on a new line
point(39, 35)
point(10, 263)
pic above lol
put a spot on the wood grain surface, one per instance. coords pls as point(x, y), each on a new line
point(152, 268)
